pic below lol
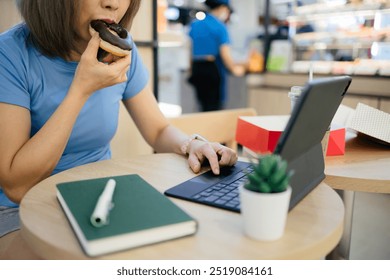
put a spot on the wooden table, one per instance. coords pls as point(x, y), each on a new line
point(365, 167)
point(313, 229)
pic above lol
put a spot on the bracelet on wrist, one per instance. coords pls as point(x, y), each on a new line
point(184, 147)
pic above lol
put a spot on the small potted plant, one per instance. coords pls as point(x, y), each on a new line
point(265, 198)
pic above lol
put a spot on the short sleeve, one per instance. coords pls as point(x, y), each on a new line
point(223, 34)
point(137, 76)
point(13, 88)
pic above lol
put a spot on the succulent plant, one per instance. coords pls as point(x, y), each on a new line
point(269, 175)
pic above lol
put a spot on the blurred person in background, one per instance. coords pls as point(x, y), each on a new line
point(211, 56)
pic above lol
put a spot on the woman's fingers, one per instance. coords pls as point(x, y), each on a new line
point(92, 49)
point(216, 154)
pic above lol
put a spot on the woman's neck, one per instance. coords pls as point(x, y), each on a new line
point(74, 56)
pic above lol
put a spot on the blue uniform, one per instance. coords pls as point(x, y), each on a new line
point(40, 83)
point(208, 35)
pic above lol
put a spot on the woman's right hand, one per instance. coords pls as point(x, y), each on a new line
point(26, 160)
point(92, 75)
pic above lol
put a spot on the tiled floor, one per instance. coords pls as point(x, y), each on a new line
point(371, 227)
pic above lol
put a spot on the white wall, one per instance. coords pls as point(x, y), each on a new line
point(244, 26)
point(9, 14)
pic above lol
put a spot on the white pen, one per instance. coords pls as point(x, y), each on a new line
point(100, 215)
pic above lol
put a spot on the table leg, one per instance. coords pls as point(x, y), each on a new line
point(343, 249)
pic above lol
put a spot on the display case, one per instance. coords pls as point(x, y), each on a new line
point(341, 37)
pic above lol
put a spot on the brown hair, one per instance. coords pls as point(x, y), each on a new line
point(52, 24)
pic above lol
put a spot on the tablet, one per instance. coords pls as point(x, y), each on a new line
point(299, 145)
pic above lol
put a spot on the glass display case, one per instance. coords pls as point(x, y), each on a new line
point(341, 37)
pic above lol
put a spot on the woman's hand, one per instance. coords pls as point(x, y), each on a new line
point(217, 155)
point(92, 75)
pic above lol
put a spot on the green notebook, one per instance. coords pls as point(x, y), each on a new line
point(141, 215)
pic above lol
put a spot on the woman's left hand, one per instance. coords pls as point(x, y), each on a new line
point(216, 154)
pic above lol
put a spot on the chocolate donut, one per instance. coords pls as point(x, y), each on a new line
point(114, 38)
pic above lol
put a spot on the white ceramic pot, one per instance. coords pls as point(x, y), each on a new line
point(264, 214)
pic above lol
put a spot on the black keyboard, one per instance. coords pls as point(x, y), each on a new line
point(219, 191)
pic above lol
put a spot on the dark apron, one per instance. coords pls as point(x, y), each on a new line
point(206, 80)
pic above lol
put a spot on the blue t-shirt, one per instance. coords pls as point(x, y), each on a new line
point(39, 83)
point(208, 35)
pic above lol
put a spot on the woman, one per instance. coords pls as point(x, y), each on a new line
point(59, 104)
point(211, 57)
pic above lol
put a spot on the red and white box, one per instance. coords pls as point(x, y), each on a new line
point(261, 134)
point(372, 122)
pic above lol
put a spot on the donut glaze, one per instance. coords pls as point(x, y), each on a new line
point(116, 44)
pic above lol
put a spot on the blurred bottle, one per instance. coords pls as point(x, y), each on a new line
point(294, 94)
point(255, 62)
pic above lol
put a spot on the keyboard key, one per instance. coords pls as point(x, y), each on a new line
point(225, 194)
point(211, 198)
point(220, 201)
point(236, 184)
point(231, 204)
point(205, 193)
point(230, 195)
point(219, 194)
point(224, 191)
